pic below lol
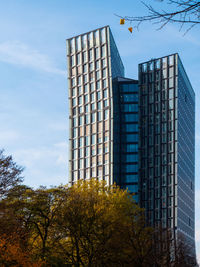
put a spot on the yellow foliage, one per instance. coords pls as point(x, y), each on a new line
point(122, 21)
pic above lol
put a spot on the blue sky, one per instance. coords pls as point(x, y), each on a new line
point(33, 79)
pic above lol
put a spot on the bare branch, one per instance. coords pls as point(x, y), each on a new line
point(185, 12)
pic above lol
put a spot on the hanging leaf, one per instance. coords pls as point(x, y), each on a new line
point(122, 21)
point(130, 29)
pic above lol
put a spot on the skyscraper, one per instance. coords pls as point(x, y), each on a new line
point(139, 134)
point(93, 62)
point(167, 145)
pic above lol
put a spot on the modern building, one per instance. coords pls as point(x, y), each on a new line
point(139, 134)
point(93, 63)
point(167, 145)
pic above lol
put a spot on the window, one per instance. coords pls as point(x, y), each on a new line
point(104, 83)
point(97, 52)
point(90, 54)
point(99, 105)
point(73, 72)
point(171, 82)
point(87, 108)
point(106, 148)
point(98, 95)
point(90, 39)
point(130, 107)
point(75, 124)
point(103, 62)
point(99, 138)
point(75, 131)
point(103, 51)
point(98, 75)
point(105, 93)
point(87, 162)
point(74, 102)
point(86, 87)
point(75, 143)
point(78, 43)
point(80, 100)
point(91, 76)
point(87, 119)
point(72, 59)
point(81, 120)
point(99, 115)
point(78, 59)
point(81, 141)
point(73, 82)
point(96, 37)
point(84, 68)
point(84, 41)
point(92, 87)
point(86, 98)
point(87, 141)
point(103, 35)
point(91, 66)
point(93, 151)
point(93, 119)
point(106, 136)
point(73, 91)
point(87, 151)
point(85, 78)
point(99, 149)
point(97, 64)
point(105, 103)
point(93, 139)
point(84, 57)
point(98, 85)
point(130, 148)
point(106, 114)
point(80, 109)
point(80, 90)
point(171, 93)
point(130, 168)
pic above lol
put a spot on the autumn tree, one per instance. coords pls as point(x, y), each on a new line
point(13, 254)
point(31, 214)
point(10, 173)
point(98, 223)
point(182, 12)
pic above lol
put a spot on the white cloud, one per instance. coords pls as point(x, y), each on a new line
point(44, 165)
point(57, 154)
point(9, 136)
point(20, 54)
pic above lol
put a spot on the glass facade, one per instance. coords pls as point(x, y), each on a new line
point(125, 153)
point(139, 134)
point(93, 62)
point(167, 121)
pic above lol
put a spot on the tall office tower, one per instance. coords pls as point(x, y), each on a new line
point(93, 63)
point(167, 145)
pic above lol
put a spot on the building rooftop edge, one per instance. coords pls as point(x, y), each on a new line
point(107, 26)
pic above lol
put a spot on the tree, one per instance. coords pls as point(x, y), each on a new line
point(31, 214)
point(98, 223)
point(10, 174)
point(184, 13)
point(13, 254)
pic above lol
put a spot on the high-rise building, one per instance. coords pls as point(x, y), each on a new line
point(93, 62)
point(139, 134)
point(167, 145)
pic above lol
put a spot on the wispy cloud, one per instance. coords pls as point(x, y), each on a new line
point(18, 53)
point(8, 136)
